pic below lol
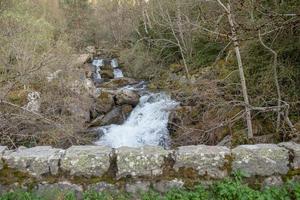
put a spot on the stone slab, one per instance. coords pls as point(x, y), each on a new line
point(208, 161)
point(36, 161)
point(260, 159)
point(294, 149)
point(87, 160)
point(144, 161)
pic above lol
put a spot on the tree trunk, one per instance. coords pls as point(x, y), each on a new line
point(241, 71)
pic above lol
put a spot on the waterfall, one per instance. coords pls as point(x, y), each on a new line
point(98, 63)
point(114, 63)
point(118, 73)
point(146, 125)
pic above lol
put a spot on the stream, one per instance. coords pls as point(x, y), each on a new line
point(146, 124)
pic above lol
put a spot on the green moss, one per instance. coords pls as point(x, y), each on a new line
point(10, 176)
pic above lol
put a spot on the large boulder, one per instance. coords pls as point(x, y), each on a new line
point(118, 83)
point(125, 96)
point(116, 116)
point(87, 160)
point(104, 102)
point(206, 160)
point(37, 161)
point(2, 150)
point(144, 161)
point(260, 160)
point(294, 149)
point(107, 73)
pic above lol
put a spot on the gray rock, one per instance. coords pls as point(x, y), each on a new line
point(58, 190)
point(226, 141)
point(118, 83)
point(126, 96)
point(87, 160)
point(107, 73)
point(273, 181)
point(260, 159)
point(165, 186)
point(2, 150)
point(36, 161)
point(206, 160)
point(294, 149)
point(116, 116)
point(100, 187)
point(137, 187)
point(144, 161)
point(104, 102)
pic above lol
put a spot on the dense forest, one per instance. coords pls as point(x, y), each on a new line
point(233, 65)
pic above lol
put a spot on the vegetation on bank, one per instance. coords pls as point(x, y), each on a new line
point(230, 189)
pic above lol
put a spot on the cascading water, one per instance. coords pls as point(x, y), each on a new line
point(114, 63)
point(97, 63)
point(118, 73)
point(146, 125)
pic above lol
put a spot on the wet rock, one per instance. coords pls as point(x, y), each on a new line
point(116, 116)
point(100, 187)
point(108, 73)
point(2, 150)
point(294, 149)
point(273, 181)
point(58, 190)
point(118, 83)
point(165, 186)
point(37, 161)
point(127, 97)
point(206, 160)
point(144, 161)
point(260, 159)
point(138, 187)
point(104, 102)
point(87, 160)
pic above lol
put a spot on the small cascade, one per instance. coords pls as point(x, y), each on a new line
point(98, 63)
point(146, 125)
point(118, 73)
point(114, 63)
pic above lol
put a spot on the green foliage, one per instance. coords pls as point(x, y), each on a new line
point(206, 51)
point(228, 189)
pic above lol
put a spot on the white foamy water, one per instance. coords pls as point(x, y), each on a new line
point(98, 63)
point(114, 63)
point(146, 125)
point(118, 73)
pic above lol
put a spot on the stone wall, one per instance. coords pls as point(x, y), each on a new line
point(85, 167)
